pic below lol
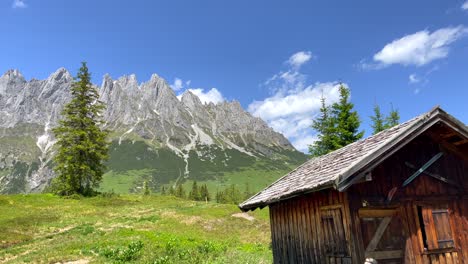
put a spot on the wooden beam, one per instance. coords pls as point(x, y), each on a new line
point(330, 207)
point(461, 142)
point(423, 168)
point(454, 150)
point(389, 254)
point(448, 135)
point(375, 213)
point(378, 234)
point(433, 175)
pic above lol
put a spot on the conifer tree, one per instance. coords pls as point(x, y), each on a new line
point(347, 120)
point(204, 193)
point(172, 191)
point(337, 126)
point(194, 194)
point(324, 126)
point(179, 191)
point(377, 120)
point(82, 145)
point(380, 122)
point(393, 119)
point(146, 190)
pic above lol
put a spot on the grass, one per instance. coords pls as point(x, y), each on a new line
point(128, 229)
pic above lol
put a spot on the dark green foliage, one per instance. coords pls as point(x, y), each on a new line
point(199, 193)
point(172, 190)
point(380, 122)
point(392, 119)
point(377, 120)
point(204, 193)
point(146, 190)
point(179, 191)
point(123, 254)
point(230, 195)
point(324, 125)
point(82, 145)
point(247, 192)
point(163, 190)
point(194, 194)
point(347, 120)
point(337, 126)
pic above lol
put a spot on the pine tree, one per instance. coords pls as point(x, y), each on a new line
point(146, 190)
point(204, 193)
point(324, 126)
point(195, 192)
point(347, 120)
point(179, 191)
point(172, 191)
point(337, 126)
point(82, 145)
point(380, 122)
point(377, 120)
point(393, 119)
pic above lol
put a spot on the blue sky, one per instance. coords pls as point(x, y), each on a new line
point(275, 57)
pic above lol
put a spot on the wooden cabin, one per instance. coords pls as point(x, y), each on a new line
point(400, 196)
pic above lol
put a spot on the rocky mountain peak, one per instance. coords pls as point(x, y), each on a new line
point(13, 74)
point(61, 75)
point(190, 100)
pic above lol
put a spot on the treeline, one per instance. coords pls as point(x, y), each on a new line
point(338, 124)
point(230, 195)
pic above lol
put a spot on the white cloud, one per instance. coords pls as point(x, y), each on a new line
point(303, 143)
point(291, 112)
point(299, 58)
point(419, 48)
point(294, 103)
point(179, 84)
point(465, 6)
point(213, 95)
point(413, 78)
point(19, 4)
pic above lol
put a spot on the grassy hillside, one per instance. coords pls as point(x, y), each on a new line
point(133, 162)
point(155, 229)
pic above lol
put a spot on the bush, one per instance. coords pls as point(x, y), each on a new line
point(123, 254)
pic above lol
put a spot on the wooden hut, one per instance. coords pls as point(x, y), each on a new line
point(400, 196)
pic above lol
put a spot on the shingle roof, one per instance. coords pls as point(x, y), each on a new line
point(334, 168)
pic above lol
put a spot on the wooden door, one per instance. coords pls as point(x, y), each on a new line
point(383, 235)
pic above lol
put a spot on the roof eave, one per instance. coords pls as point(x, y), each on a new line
point(252, 206)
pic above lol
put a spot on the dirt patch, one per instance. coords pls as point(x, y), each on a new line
point(80, 261)
point(245, 216)
point(191, 220)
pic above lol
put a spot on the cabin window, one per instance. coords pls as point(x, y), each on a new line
point(333, 231)
point(435, 226)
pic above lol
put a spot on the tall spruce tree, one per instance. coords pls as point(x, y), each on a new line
point(337, 126)
point(377, 120)
point(347, 120)
point(82, 145)
point(324, 126)
point(194, 194)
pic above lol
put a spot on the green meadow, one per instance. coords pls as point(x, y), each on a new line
point(43, 228)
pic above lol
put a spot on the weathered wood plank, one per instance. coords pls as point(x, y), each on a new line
point(378, 234)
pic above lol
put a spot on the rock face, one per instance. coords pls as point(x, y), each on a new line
point(149, 112)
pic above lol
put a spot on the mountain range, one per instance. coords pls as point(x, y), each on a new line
point(156, 136)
